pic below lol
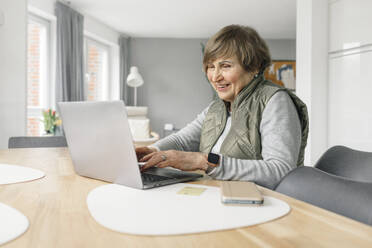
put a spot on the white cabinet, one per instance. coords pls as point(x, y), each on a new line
point(350, 74)
point(350, 100)
point(350, 24)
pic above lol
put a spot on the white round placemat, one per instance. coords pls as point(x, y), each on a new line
point(12, 223)
point(162, 211)
point(17, 174)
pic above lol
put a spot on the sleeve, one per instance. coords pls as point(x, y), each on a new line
point(280, 130)
point(187, 139)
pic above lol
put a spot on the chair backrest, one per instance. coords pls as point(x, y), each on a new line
point(345, 162)
point(340, 195)
point(43, 141)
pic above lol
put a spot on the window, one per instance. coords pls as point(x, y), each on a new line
point(97, 68)
point(38, 72)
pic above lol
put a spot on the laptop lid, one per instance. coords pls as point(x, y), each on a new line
point(100, 141)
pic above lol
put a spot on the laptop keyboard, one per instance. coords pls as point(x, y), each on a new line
point(149, 178)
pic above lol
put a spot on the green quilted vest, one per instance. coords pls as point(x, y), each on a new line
point(244, 140)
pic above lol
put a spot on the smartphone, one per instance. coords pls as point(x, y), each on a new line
point(239, 193)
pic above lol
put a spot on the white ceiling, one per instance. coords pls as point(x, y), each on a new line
point(273, 19)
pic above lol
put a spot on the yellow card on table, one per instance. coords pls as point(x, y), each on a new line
point(191, 191)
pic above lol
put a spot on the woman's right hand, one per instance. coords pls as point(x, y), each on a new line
point(143, 151)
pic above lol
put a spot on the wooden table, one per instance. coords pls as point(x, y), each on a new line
point(57, 211)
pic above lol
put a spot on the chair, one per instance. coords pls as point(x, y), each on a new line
point(340, 195)
point(43, 141)
point(345, 162)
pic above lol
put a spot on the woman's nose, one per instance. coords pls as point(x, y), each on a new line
point(217, 76)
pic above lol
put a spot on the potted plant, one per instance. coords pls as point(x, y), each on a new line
point(51, 121)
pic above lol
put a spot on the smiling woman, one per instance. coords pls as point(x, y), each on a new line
point(227, 77)
point(235, 61)
point(255, 130)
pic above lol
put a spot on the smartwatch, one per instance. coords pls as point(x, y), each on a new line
point(213, 159)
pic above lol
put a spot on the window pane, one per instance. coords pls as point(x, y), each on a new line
point(37, 73)
point(35, 32)
point(34, 126)
point(96, 71)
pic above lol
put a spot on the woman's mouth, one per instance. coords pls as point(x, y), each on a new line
point(222, 87)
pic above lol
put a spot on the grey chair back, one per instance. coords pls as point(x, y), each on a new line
point(43, 141)
point(337, 194)
point(345, 162)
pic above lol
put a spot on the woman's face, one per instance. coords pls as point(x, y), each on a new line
point(228, 77)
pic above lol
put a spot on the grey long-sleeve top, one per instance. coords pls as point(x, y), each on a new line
point(280, 138)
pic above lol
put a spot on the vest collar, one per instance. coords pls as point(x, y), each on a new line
point(246, 91)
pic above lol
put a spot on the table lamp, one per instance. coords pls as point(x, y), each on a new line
point(134, 80)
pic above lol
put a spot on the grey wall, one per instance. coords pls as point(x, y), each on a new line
point(175, 88)
point(282, 49)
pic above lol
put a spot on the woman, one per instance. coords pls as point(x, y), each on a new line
point(255, 130)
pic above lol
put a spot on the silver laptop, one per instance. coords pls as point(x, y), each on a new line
point(101, 146)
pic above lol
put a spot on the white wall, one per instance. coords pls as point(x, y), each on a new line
point(350, 74)
point(90, 24)
point(312, 72)
point(98, 28)
point(12, 70)
point(45, 5)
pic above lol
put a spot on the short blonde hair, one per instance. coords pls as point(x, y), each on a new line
point(242, 41)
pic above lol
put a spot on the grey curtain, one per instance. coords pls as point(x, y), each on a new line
point(124, 66)
point(70, 54)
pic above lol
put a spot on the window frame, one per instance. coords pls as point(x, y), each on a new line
point(113, 88)
point(47, 66)
point(44, 61)
point(105, 87)
point(113, 92)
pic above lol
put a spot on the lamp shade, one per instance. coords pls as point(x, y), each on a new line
point(134, 79)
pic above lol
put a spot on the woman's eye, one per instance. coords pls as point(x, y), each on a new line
point(210, 67)
point(226, 66)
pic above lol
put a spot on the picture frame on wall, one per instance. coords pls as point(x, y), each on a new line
point(282, 72)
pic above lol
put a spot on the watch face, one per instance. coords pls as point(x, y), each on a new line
point(213, 158)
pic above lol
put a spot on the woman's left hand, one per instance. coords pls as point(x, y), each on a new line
point(186, 161)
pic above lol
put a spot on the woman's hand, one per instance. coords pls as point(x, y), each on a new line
point(143, 151)
point(186, 161)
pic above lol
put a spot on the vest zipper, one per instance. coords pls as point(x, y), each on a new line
point(220, 132)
